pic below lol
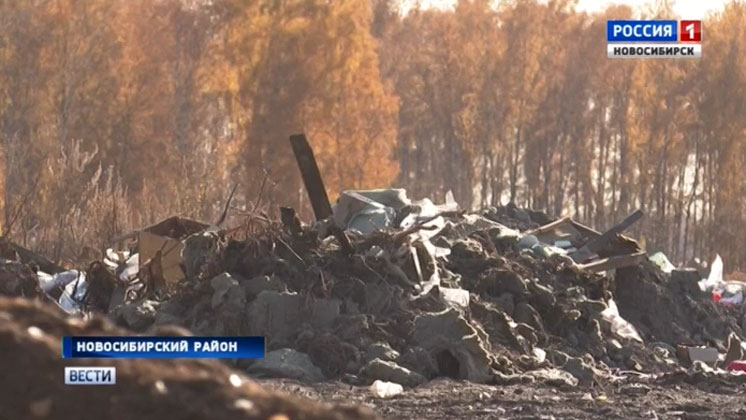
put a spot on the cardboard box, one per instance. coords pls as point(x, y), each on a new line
point(167, 236)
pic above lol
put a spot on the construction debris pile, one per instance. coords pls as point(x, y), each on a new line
point(401, 292)
point(392, 292)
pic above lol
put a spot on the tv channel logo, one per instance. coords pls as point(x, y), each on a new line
point(80, 375)
point(653, 31)
point(654, 38)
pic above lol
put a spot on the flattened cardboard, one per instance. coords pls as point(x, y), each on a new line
point(168, 237)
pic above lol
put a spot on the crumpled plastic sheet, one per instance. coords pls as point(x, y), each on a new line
point(661, 260)
point(49, 282)
point(131, 269)
point(619, 326)
point(73, 297)
point(715, 279)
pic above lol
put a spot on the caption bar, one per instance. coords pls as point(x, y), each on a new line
point(163, 347)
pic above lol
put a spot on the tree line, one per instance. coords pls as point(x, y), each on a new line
point(114, 114)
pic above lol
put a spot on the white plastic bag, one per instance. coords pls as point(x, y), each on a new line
point(619, 326)
point(131, 269)
point(715, 279)
point(661, 260)
point(74, 295)
point(382, 389)
point(48, 282)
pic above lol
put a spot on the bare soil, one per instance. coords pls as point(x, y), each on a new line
point(449, 399)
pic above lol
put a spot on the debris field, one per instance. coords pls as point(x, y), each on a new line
point(389, 294)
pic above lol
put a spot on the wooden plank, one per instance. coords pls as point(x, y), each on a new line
point(614, 262)
point(585, 230)
point(311, 175)
point(548, 226)
point(587, 251)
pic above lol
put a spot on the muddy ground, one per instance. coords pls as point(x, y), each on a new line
point(450, 399)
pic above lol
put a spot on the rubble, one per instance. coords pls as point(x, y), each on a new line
point(382, 287)
point(287, 363)
point(391, 372)
point(137, 315)
point(17, 279)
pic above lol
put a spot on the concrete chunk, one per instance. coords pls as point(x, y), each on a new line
point(455, 343)
point(287, 363)
point(391, 372)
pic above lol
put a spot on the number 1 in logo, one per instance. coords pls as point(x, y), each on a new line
point(690, 30)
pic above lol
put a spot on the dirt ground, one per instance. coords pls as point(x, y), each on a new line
point(449, 399)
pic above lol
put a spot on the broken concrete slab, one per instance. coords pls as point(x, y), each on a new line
point(256, 285)
point(138, 315)
point(580, 369)
point(381, 351)
point(553, 377)
point(199, 255)
point(287, 363)
point(324, 312)
point(275, 315)
point(391, 372)
point(419, 360)
point(227, 292)
point(456, 345)
point(457, 298)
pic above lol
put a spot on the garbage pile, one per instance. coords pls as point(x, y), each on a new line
point(401, 292)
point(392, 292)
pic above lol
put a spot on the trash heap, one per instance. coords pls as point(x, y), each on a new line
point(396, 291)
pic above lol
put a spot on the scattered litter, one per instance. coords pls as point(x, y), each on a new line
point(73, 298)
point(130, 270)
point(706, 355)
point(382, 389)
point(737, 366)
point(619, 326)
point(661, 260)
point(167, 237)
point(54, 283)
point(715, 279)
point(398, 291)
